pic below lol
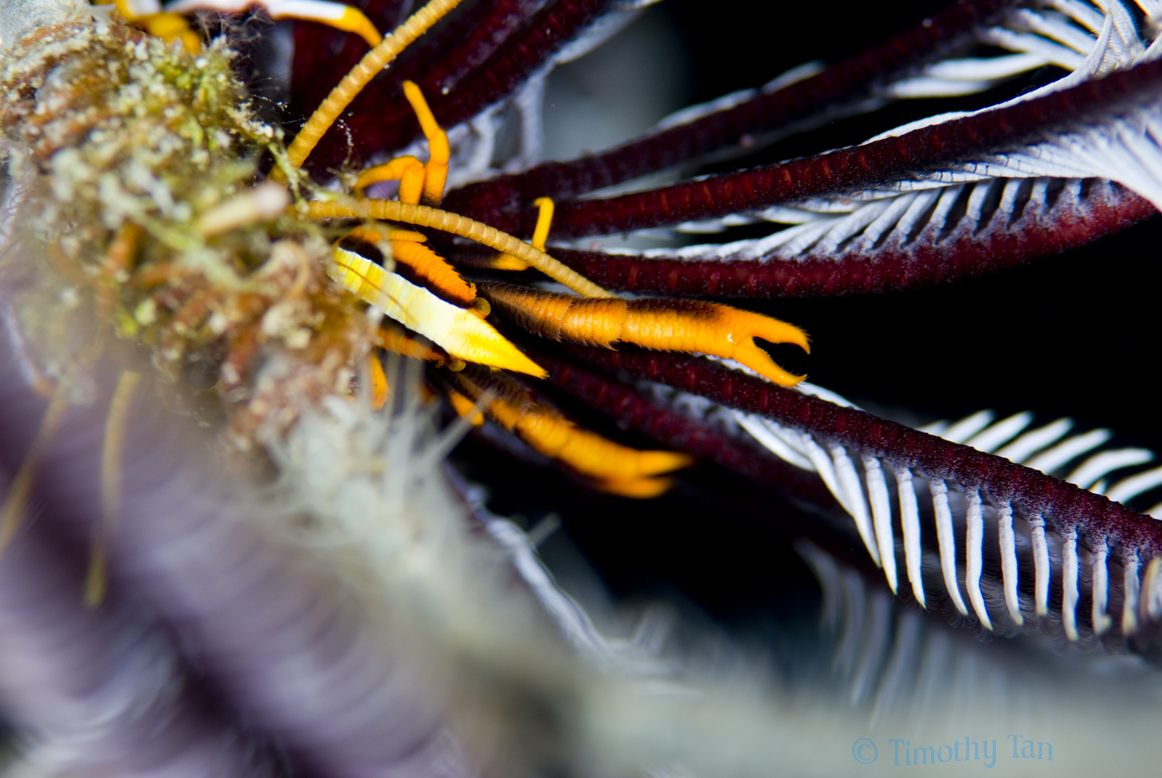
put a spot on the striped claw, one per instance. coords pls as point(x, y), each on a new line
point(408, 248)
point(458, 331)
point(666, 325)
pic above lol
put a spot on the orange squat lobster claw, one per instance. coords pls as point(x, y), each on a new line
point(613, 467)
point(664, 325)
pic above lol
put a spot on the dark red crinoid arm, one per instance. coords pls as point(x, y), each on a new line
point(1072, 515)
point(835, 91)
point(476, 58)
point(936, 255)
point(878, 163)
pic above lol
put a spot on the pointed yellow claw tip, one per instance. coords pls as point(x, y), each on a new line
point(655, 462)
point(636, 488)
point(777, 331)
point(354, 21)
point(760, 361)
point(499, 354)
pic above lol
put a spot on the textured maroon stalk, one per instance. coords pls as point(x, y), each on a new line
point(323, 54)
point(816, 98)
point(370, 131)
point(1064, 505)
point(505, 18)
point(893, 267)
point(859, 167)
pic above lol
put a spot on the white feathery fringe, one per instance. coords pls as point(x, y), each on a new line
point(1068, 34)
point(973, 548)
point(1009, 570)
point(1152, 590)
point(946, 541)
point(954, 509)
point(1101, 621)
point(1131, 587)
point(1069, 584)
point(1122, 146)
point(899, 667)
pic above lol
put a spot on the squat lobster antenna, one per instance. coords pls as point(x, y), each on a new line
point(462, 226)
point(354, 82)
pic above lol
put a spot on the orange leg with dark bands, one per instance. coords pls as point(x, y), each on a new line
point(406, 247)
point(396, 341)
point(665, 325)
point(616, 468)
point(430, 266)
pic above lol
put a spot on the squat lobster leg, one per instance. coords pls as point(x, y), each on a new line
point(352, 84)
point(540, 235)
point(462, 226)
point(407, 247)
point(418, 181)
point(666, 325)
point(615, 468)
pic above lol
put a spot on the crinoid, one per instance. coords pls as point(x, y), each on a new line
point(342, 619)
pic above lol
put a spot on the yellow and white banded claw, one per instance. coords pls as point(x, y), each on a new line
point(458, 331)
